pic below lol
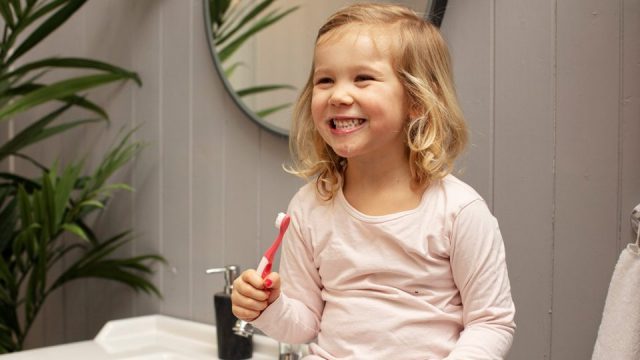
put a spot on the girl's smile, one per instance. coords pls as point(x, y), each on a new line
point(346, 125)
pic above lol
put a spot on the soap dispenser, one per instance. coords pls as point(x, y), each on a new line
point(230, 345)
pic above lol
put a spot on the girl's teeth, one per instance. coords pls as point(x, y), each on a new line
point(347, 124)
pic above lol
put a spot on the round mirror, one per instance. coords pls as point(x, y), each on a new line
point(262, 50)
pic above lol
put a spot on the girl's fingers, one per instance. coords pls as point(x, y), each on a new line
point(253, 278)
point(247, 290)
point(244, 314)
point(251, 294)
point(248, 303)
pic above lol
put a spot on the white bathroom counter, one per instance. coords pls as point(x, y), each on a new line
point(153, 337)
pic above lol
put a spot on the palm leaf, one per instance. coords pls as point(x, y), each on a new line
point(250, 16)
point(57, 91)
point(7, 14)
point(229, 70)
point(261, 24)
point(17, 7)
point(8, 218)
point(63, 188)
point(16, 179)
point(262, 88)
point(217, 9)
point(30, 87)
point(29, 135)
point(31, 160)
point(46, 28)
point(95, 264)
point(75, 63)
point(75, 229)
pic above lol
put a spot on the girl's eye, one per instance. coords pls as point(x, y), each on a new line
point(324, 80)
point(364, 78)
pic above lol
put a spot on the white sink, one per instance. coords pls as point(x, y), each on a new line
point(153, 337)
point(159, 356)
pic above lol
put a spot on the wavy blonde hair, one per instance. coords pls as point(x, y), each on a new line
point(436, 133)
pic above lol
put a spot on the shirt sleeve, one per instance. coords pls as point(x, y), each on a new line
point(480, 273)
point(295, 316)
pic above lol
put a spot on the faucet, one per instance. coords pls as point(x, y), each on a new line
point(289, 351)
point(243, 328)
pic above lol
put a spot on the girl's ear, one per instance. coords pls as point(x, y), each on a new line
point(415, 111)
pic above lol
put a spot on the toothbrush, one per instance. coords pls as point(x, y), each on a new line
point(243, 328)
point(264, 267)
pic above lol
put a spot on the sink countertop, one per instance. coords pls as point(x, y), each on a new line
point(153, 337)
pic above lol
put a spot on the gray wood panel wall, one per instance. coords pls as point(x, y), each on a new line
point(551, 91)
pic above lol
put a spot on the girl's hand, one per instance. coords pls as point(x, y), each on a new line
point(251, 294)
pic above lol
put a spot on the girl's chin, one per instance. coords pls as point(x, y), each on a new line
point(345, 150)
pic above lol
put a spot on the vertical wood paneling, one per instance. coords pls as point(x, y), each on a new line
point(176, 125)
point(147, 212)
point(587, 170)
point(208, 173)
point(241, 165)
point(468, 30)
point(630, 116)
point(524, 125)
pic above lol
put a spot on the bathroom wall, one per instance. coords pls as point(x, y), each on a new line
point(551, 90)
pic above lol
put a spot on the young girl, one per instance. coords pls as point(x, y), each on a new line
point(387, 256)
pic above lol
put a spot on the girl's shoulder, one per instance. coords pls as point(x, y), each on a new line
point(307, 193)
point(307, 198)
point(457, 193)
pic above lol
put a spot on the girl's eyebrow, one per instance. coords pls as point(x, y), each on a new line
point(368, 68)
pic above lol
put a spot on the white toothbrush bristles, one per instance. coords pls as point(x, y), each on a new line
point(279, 219)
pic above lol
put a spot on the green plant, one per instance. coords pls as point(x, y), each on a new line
point(35, 214)
point(233, 23)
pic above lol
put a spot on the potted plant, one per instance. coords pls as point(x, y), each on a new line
point(36, 213)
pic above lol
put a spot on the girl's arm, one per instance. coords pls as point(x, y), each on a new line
point(480, 273)
point(295, 316)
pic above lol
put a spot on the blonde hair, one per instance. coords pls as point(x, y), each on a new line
point(436, 134)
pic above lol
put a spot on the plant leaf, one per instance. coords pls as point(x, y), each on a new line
point(75, 63)
point(30, 134)
point(263, 23)
point(262, 88)
point(8, 218)
point(27, 183)
point(75, 229)
point(250, 16)
point(217, 9)
point(47, 27)
point(230, 70)
point(7, 14)
point(73, 99)
point(63, 189)
point(92, 203)
point(56, 90)
point(32, 161)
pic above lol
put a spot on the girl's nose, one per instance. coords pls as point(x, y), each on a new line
point(340, 96)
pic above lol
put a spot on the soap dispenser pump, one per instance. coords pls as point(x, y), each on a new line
point(230, 345)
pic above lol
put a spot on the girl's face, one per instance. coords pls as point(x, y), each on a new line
point(358, 104)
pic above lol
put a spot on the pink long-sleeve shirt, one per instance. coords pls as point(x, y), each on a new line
point(428, 283)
